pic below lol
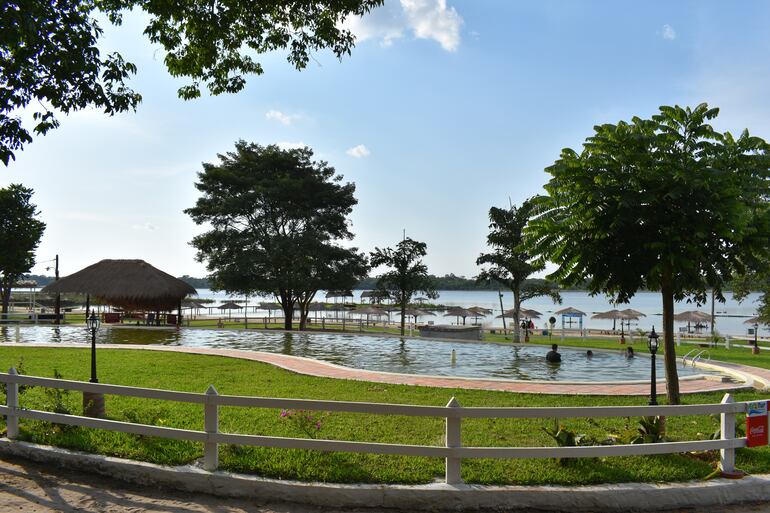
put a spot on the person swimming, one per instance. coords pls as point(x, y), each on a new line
point(553, 355)
point(589, 354)
point(629, 352)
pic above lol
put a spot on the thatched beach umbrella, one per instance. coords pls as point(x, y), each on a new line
point(692, 316)
point(368, 311)
point(127, 284)
point(230, 306)
point(416, 312)
point(569, 311)
point(457, 311)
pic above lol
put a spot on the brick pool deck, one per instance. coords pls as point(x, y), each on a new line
point(753, 376)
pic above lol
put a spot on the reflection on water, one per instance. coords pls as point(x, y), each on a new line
point(390, 354)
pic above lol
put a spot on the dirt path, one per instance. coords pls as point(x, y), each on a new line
point(28, 487)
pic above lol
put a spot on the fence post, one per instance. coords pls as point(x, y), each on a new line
point(453, 439)
point(727, 341)
point(678, 339)
point(12, 401)
point(211, 425)
point(727, 425)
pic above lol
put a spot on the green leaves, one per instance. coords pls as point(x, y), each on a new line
point(49, 52)
point(20, 234)
point(275, 217)
point(408, 274)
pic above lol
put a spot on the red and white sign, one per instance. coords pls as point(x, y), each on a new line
point(756, 424)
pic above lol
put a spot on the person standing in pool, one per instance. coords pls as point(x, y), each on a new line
point(553, 355)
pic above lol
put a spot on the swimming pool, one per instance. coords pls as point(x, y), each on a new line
point(379, 353)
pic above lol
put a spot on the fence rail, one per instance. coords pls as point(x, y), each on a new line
point(453, 451)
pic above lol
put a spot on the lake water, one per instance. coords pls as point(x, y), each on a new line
point(377, 353)
point(729, 315)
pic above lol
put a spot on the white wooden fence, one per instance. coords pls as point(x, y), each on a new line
point(453, 451)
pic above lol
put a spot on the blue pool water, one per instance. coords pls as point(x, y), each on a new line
point(377, 353)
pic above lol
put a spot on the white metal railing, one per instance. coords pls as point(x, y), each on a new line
point(453, 451)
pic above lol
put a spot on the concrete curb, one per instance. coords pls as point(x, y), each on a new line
point(432, 497)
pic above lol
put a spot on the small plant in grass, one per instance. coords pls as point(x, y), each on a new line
point(309, 422)
point(740, 427)
point(650, 430)
point(19, 370)
point(57, 397)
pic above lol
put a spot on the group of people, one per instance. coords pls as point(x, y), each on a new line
point(553, 356)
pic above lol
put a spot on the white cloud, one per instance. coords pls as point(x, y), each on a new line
point(146, 226)
point(668, 32)
point(425, 19)
point(287, 145)
point(359, 151)
point(277, 115)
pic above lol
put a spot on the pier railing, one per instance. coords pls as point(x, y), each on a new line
point(453, 450)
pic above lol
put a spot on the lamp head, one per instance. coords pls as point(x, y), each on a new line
point(652, 341)
point(93, 322)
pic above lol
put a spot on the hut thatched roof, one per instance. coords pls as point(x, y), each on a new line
point(339, 293)
point(692, 316)
point(633, 314)
point(230, 305)
point(480, 311)
point(129, 284)
point(569, 311)
point(610, 314)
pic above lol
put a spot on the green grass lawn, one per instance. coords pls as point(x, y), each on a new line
point(232, 376)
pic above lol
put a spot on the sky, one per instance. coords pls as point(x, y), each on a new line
point(444, 109)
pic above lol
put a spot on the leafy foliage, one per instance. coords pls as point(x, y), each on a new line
point(49, 51)
point(408, 274)
point(509, 263)
point(665, 204)
point(275, 216)
point(20, 233)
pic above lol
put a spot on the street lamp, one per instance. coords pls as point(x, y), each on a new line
point(756, 347)
point(93, 324)
point(652, 345)
point(93, 402)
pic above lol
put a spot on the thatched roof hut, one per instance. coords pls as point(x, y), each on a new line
point(570, 311)
point(230, 305)
point(128, 284)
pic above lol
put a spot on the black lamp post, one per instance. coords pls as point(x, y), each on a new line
point(93, 402)
point(652, 345)
point(756, 347)
point(93, 324)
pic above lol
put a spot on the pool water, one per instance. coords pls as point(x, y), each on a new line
point(379, 353)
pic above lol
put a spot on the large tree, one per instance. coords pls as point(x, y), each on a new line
point(20, 233)
point(275, 216)
point(509, 263)
point(408, 275)
point(666, 204)
point(50, 58)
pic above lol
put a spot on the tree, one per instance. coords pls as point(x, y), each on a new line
point(49, 53)
point(20, 234)
point(509, 262)
point(408, 275)
point(275, 216)
point(665, 204)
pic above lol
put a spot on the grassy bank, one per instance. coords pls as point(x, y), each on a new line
point(230, 376)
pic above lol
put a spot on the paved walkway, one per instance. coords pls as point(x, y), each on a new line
point(323, 369)
point(29, 487)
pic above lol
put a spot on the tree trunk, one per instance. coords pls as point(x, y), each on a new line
point(403, 315)
point(672, 378)
point(6, 298)
point(287, 305)
point(516, 308)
